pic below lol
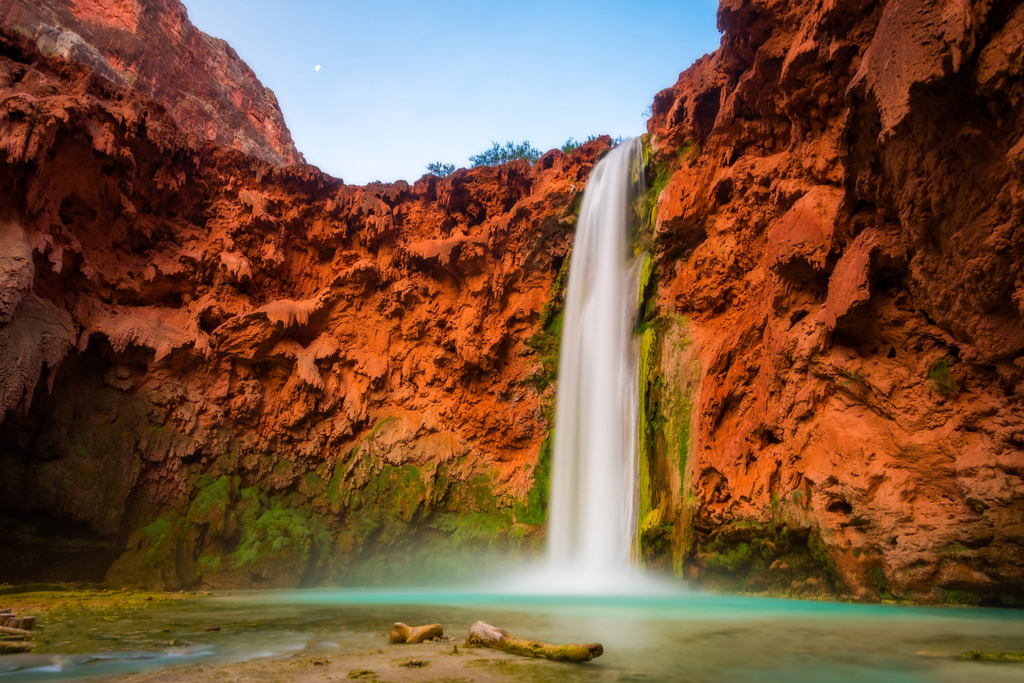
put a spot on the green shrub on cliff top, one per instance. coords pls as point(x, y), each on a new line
point(503, 154)
point(571, 145)
point(441, 170)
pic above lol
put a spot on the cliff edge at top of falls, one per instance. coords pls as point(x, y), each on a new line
point(151, 46)
point(838, 375)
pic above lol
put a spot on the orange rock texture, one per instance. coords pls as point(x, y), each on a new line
point(152, 46)
point(221, 371)
point(841, 236)
point(257, 375)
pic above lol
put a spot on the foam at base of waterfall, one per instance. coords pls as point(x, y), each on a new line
point(548, 580)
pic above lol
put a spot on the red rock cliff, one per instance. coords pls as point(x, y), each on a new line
point(249, 375)
point(256, 374)
point(151, 46)
point(841, 242)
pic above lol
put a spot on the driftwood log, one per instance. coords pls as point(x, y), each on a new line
point(9, 648)
point(7, 630)
point(415, 634)
point(485, 634)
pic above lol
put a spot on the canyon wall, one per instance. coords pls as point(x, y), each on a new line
point(256, 375)
point(151, 46)
point(835, 385)
point(223, 372)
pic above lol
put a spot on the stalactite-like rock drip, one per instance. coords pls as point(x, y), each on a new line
point(221, 372)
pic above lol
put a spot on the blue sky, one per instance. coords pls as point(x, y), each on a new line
point(402, 84)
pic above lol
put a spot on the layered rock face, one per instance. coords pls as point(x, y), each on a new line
point(256, 375)
point(219, 372)
point(151, 46)
point(841, 362)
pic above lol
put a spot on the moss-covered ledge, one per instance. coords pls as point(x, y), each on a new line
point(764, 557)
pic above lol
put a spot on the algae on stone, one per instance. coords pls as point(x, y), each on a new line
point(546, 341)
point(534, 509)
point(770, 557)
point(669, 377)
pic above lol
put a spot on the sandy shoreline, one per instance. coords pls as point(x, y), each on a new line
point(87, 622)
point(435, 662)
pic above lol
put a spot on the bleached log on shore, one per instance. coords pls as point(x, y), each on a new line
point(415, 634)
point(481, 633)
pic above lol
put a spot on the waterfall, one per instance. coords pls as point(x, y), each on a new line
point(593, 502)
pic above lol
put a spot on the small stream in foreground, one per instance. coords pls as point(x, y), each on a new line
point(671, 635)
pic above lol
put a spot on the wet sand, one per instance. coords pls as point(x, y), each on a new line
point(420, 663)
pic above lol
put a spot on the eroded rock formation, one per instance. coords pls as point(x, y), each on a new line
point(255, 375)
point(841, 235)
point(151, 46)
point(258, 374)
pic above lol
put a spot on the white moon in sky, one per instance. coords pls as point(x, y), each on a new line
point(317, 67)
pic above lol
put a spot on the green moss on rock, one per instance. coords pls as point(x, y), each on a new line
point(212, 505)
point(283, 542)
point(750, 556)
point(534, 509)
point(1015, 657)
point(210, 562)
point(370, 523)
point(474, 518)
point(959, 597)
point(546, 340)
point(155, 533)
point(387, 504)
point(155, 557)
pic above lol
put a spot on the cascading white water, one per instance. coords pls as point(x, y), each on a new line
point(593, 502)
